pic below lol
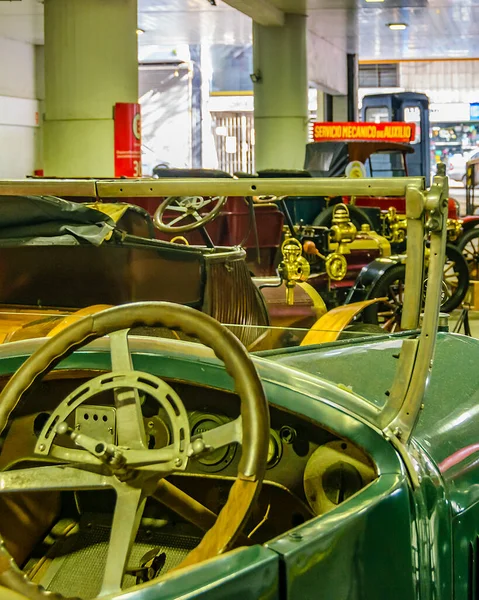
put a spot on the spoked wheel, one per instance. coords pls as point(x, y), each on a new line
point(468, 245)
point(392, 285)
point(455, 279)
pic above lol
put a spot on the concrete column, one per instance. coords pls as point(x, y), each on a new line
point(91, 62)
point(280, 94)
point(196, 107)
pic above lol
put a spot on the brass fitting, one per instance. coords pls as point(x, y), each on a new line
point(343, 232)
point(371, 240)
point(180, 239)
point(294, 267)
point(454, 229)
point(336, 266)
point(397, 226)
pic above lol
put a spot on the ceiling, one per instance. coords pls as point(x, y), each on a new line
point(436, 28)
point(22, 20)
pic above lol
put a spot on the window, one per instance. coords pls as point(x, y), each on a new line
point(384, 75)
point(377, 114)
point(386, 164)
point(412, 114)
point(321, 161)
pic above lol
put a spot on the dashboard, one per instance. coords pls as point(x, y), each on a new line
point(309, 469)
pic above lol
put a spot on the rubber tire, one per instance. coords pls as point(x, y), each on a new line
point(466, 238)
point(455, 254)
point(380, 289)
point(358, 217)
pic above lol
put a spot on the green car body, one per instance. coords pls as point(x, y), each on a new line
point(388, 540)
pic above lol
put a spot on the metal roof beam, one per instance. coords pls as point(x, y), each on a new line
point(262, 12)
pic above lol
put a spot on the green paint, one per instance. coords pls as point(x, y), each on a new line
point(387, 541)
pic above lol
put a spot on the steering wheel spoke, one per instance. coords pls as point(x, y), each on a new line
point(208, 441)
point(181, 218)
point(204, 202)
point(51, 478)
point(224, 435)
point(129, 420)
point(177, 207)
point(129, 507)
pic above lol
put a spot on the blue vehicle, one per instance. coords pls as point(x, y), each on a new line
point(408, 107)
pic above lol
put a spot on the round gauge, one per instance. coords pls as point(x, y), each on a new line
point(220, 458)
point(275, 450)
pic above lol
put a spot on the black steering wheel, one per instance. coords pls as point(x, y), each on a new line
point(127, 465)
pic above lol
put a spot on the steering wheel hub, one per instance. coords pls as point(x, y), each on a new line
point(174, 456)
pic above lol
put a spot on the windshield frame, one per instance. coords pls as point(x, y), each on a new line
point(426, 212)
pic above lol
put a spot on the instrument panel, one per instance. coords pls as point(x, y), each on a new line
point(308, 468)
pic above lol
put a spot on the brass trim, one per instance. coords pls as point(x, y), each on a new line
point(48, 187)
point(415, 376)
point(180, 239)
point(415, 209)
point(229, 254)
point(259, 187)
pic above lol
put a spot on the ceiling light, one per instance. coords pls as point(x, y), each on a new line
point(397, 26)
point(374, 0)
point(140, 31)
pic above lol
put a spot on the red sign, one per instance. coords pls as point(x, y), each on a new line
point(127, 139)
point(386, 132)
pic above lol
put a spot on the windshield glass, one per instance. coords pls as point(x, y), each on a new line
point(386, 164)
point(318, 353)
point(27, 322)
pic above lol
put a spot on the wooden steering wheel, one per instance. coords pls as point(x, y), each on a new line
point(128, 466)
point(187, 208)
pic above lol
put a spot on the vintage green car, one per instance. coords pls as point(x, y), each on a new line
point(343, 471)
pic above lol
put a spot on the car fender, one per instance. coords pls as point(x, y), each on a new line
point(469, 222)
point(369, 275)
